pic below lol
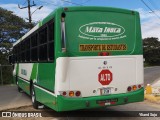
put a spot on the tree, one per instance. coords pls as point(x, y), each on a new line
point(151, 47)
point(12, 28)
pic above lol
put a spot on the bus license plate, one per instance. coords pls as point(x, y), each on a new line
point(105, 91)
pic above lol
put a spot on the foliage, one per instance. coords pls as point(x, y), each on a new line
point(12, 28)
point(151, 47)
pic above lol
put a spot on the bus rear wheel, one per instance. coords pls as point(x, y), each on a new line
point(34, 101)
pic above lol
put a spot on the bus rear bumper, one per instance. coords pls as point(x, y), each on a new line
point(68, 104)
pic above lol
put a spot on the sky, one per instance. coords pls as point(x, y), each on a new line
point(149, 11)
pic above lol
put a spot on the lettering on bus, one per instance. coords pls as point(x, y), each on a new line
point(102, 31)
point(102, 47)
point(23, 72)
point(105, 77)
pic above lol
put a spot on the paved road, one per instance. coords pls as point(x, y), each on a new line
point(151, 74)
point(10, 98)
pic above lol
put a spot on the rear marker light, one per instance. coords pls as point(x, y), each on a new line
point(139, 86)
point(71, 93)
point(103, 54)
point(129, 88)
point(64, 93)
point(134, 87)
point(78, 93)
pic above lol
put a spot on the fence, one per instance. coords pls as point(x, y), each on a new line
point(6, 75)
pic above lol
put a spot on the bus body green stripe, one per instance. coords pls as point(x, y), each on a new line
point(34, 71)
point(46, 98)
point(61, 103)
point(67, 104)
point(24, 85)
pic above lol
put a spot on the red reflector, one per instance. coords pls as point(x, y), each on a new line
point(129, 88)
point(101, 104)
point(103, 54)
point(113, 103)
point(64, 93)
point(78, 93)
point(139, 86)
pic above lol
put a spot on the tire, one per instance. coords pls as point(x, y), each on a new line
point(20, 90)
point(33, 96)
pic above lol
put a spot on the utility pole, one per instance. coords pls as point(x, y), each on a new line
point(29, 9)
point(29, 12)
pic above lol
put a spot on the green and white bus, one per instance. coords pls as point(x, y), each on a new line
point(81, 58)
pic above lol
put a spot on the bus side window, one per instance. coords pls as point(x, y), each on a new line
point(34, 47)
point(34, 41)
point(43, 36)
point(43, 44)
point(19, 53)
point(34, 54)
point(14, 53)
point(22, 51)
point(43, 52)
point(51, 40)
point(27, 50)
point(11, 59)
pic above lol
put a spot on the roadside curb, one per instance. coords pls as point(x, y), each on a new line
point(150, 67)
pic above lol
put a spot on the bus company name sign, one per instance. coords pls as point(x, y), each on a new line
point(105, 77)
point(101, 31)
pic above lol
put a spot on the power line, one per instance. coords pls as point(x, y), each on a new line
point(81, 4)
point(149, 8)
point(153, 4)
point(48, 3)
point(72, 2)
point(24, 2)
point(85, 2)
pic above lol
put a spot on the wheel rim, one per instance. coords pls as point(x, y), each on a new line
point(33, 96)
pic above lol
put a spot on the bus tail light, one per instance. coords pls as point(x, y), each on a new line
point(70, 93)
point(78, 93)
point(139, 86)
point(134, 87)
point(64, 93)
point(129, 89)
